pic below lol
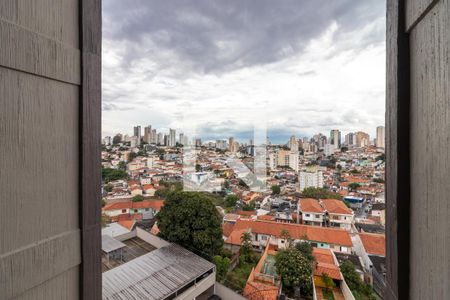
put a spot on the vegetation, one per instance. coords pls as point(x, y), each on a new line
point(359, 289)
point(191, 220)
point(222, 266)
point(231, 200)
point(248, 258)
point(305, 249)
point(320, 193)
point(131, 156)
point(353, 186)
point(138, 198)
point(109, 174)
point(381, 157)
point(117, 139)
point(246, 252)
point(378, 180)
point(167, 188)
point(108, 188)
point(295, 270)
point(122, 165)
point(237, 278)
point(327, 294)
point(329, 283)
point(249, 207)
point(276, 190)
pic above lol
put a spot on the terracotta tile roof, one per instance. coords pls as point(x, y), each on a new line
point(227, 228)
point(128, 224)
point(246, 213)
point(313, 233)
point(310, 205)
point(147, 187)
point(266, 218)
point(336, 207)
point(325, 264)
point(155, 204)
point(235, 237)
point(256, 291)
point(374, 243)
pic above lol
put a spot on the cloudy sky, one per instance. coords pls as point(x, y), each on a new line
point(220, 68)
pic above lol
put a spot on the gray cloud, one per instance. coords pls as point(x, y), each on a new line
point(213, 36)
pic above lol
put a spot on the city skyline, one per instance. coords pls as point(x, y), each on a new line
point(194, 66)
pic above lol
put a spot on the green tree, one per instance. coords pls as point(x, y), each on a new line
point(198, 168)
point(295, 270)
point(108, 187)
point(249, 207)
point(138, 198)
point(109, 174)
point(231, 200)
point(117, 139)
point(122, 165)
point(359, 289)
point(222, 266)
point(320, 193)
point(276, 190)
point(246, 252)
point(306, 249)
point(190, 219)
point(329, 283)
point(353, 186)
point(131, 156)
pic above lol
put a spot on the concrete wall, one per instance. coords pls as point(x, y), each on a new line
point(226, 293)
point(429, 28)
point(41, 99)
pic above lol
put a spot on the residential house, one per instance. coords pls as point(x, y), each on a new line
point(321, 237)
point(337, 213)
point(312, 212)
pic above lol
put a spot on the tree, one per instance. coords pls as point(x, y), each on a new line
point(108, 187)
point(295, 270)
point(222, 266)
point(198, 168)
point(249, 207)
point(327, 281)
point(190, 219)
point(306, 249)
point(109, 174)
point(231, 200)
point(122, 165)
point(276, 190)
point(246, 252)
point(131, 156)
point(117, 139)
point(138, 198)
point(359, 289)
point(320, 193)
point(353, 186)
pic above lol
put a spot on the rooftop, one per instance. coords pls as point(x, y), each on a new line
point(132, 248)
point(155, 275)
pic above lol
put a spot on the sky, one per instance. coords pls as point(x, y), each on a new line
point(215, 68)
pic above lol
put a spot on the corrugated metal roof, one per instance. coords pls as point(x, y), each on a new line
point(114, 229)
point(110, 244)
point(155, 275)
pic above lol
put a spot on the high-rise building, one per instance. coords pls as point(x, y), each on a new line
point(107, 140)
point(154, 137)
point(160, 139)
point(148, 134)
point(350, 139)
point(137, 134)
point(181, 139)
point(380, 137)
point(293, 143)
point(335, 138)
point(362, 139)
point(231, 144)
point(310, 179)
point(198, 142)
point(172, 138)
